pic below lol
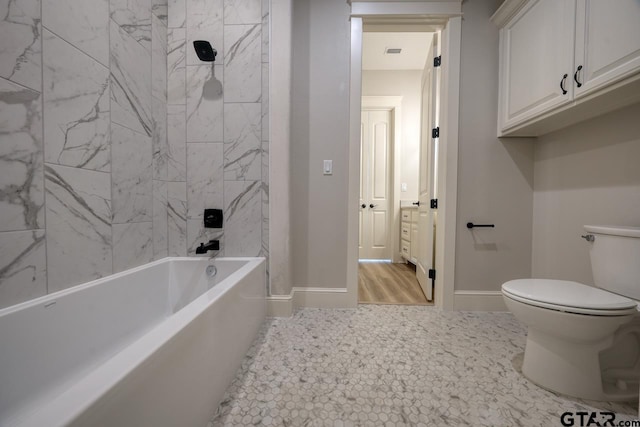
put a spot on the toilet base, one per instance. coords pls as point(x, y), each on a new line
point(571, 368)
point(563, 352)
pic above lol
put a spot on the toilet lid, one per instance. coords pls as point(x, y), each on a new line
point(566, 294)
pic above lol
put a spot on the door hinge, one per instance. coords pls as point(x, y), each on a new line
point(434, 204)
point(435, 132)
point(437, 61)
point(432, 274)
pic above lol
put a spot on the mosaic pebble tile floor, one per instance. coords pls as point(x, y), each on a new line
point(393, 366)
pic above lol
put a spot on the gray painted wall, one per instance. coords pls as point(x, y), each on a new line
point(585, 174)
point(319, 131)
point(495, 176)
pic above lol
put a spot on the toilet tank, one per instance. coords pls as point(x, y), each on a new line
point(615, 259)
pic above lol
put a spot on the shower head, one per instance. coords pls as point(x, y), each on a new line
point(205, 51)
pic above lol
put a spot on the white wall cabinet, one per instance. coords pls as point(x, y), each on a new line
point(607, 43)
point(537, 56)
point(563, 61)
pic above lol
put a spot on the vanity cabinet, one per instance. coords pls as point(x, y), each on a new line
point(409, 234)
point(563, 61)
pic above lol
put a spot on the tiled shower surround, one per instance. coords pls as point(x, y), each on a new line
point(114, 136)
point(217, 153)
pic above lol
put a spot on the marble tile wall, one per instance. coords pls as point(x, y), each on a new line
point(217, 125)
point(84, 159)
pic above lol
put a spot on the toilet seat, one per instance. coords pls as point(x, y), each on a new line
point(571, 297)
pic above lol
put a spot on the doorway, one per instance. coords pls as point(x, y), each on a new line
point(398, 17)
point(393, 70)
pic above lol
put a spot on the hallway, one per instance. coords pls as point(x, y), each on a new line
point(389, 283)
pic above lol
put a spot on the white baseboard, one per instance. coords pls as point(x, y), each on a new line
point(478, 301)
point(321, 298)
point(285, 305)
point(280, 306)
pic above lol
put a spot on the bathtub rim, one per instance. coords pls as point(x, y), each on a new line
point(63, 409)
point(95, 282)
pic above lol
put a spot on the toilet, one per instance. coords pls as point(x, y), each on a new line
point(584, 341)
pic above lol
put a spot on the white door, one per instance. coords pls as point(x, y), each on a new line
point(607, 43)
point(537, 60)
point(375, 175)
point(427, 177)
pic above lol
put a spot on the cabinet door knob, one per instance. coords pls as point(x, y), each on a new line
point(575, 76)
point(363, 206)
point(372, 206)
point(564, 78)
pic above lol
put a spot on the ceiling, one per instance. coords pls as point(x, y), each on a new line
point(413, 56)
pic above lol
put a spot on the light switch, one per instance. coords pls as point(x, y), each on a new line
point(328, 167)
point(403, 186)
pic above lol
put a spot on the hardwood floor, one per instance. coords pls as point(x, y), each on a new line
point(389, 283)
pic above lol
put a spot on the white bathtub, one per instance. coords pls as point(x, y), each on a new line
point(156, 345)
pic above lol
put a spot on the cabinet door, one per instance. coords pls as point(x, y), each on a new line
point(536, 54)
point(414, 243)
point(607, 43)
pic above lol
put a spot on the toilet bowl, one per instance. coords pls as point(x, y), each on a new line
point(584, 341)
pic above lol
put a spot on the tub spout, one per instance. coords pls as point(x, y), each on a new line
point(213, 245)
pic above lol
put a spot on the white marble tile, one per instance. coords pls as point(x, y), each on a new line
point(204, 103)
point(177, 220)
point(130, 82)
point(264, 249)
point(23, 266)
point(196, 234)
point(132, 245)
point(242, 145)
point(177, 13)
point(84, 24)
point(204, 22)
point(131, 176)
point(266, 25)
point(177, 143)
point(265, 199)
point(20, 42)
point(242, 63)
point(243, 218)
point(159, 140)
point(160, 220)
point(78, 206)
point(134, 17)
point(158, 59)
point(176, 66)
point(76, 101)
point(21, 176)
point(204, 178)
point(160, 9)
point(394, 366)
point(265, 101)
point(242, 11)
